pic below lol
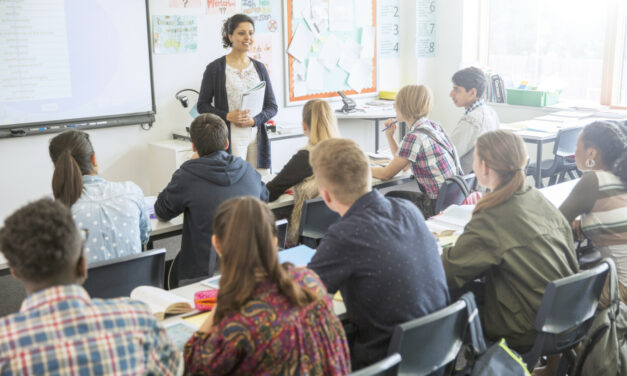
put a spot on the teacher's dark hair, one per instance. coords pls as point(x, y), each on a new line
point(610, 139)
point(209, 134)
point(71, 153)
point(229, 26)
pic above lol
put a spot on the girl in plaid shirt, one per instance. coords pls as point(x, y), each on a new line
point(426, 148)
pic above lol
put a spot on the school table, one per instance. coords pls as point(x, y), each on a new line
point(373, 113)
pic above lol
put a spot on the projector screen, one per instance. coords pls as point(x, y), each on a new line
point(74, 63)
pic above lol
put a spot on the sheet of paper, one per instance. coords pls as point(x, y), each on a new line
point(331, 51)
point(315, 76)
point(265, 13)
point(179, 332)
point(174, 34)
point(300, 8)
point(341, 15)
point(300, 71)
point(301, 43)
point(196, 320)
point(426, 28)
point(184, 3)
point(367, 42)
point(359, 76)
point(363, 13)
point(320, 14)
point(389, 28)
point(225, 8)
point(262, 50)
point(350, 54)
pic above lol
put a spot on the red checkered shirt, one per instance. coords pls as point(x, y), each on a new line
point(430, 162)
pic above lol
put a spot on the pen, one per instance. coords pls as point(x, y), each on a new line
point(386, 128)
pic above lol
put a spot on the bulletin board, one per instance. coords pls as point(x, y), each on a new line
point(330, 46)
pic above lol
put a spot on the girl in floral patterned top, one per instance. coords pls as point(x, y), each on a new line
point(270, 319)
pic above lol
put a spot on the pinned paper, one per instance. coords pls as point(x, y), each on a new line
point(221, 7)
point(359, 77)
point(315, 76)
point(300, 88)
point(300, 71)
point(367, 42)
point(331, 51)
point(301, 43)
point(320, 14)
point(265, 13)
point(174, 34)
point(341, 14)
point(262, 50)
point(363, 15)
point(184, 3)
point(350, 54)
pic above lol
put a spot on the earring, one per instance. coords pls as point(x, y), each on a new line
point(590, 163)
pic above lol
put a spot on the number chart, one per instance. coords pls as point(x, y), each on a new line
point(425, 28)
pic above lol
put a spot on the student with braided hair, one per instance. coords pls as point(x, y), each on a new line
point(600, 197)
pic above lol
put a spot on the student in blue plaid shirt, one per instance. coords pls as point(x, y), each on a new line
point(59, 329)
point(426, 147)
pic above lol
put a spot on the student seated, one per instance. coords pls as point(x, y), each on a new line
point(319, 124)
point(426, 148)
point(114, 213)
point(198, 187)
point(380, 255)
point(469, 85)
point(516, 239)
point(600, 197)
point(270, 319)
point(59, 329)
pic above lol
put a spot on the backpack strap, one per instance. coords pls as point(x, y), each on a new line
point(474, 324)
point(452, 153)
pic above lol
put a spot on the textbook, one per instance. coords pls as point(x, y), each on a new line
point(454, 218)
point(252, 99)
point(162, 303)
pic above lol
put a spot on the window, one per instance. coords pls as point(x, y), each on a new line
point(623, 86)
point(557, 44)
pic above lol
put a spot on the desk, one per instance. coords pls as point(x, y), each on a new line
point(3, 263)
point(162, 230)
point(376, 113)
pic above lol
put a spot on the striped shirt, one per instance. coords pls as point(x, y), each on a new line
point(430, 162)
point(600, 198)
point(61, 331)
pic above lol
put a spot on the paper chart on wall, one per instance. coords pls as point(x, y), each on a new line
point(341, 15)
point(262, 50)
point(224, 8)
point(389, 28)
point(350, 54)
point(301, 43)
point(426, 28)
point(185, 3)
point(331, 51)
point(265, 13)
point(174, 34)
point(320, 14)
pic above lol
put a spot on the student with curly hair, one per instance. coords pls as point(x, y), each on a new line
point(600, 197)
point(60, 330)
point(223, 83)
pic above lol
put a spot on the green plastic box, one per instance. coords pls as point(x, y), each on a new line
point(532, 97)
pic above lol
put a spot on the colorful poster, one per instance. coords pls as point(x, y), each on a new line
point(174, 34)
point(262, 50)
point(265, 13)
point(225, 8)
point(185, 3)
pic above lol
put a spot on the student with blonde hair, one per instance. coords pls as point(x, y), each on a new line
point(319, 124)
point(380, 255)
point(426, 148)
point(516, 239)
point(270, 318)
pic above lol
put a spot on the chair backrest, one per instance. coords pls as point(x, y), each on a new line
point(12, 293)
point(281, 226)
point(316, 218)
point(380, 368)
point(452, 192)
point(566, 141)
point(429, 343)
point(118, 277)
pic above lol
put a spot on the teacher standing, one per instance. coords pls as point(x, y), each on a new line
point(223, 83)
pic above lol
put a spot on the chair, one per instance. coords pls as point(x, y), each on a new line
point(315, 220)
point(380, 368)
point(118, 277)
point(566, 312)
point(452, 192)
point(429, 343)
point(12, 293)
point(282, 228)
point(563, 162)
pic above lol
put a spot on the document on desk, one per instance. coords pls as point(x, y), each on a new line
point(454, 218)
point(252, 99)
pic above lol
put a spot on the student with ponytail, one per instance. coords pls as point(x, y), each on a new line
point(319, 124)
point(516, 239)
point(270, 318)
point(114, 213)
point(600, 197)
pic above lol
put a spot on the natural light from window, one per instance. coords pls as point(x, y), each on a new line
point(623, 85)
point(552, 44)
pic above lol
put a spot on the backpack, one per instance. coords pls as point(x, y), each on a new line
point(604, 348)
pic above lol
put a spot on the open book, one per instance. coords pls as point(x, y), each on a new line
point(252, 99)
point(161, 302)
point(454, 218)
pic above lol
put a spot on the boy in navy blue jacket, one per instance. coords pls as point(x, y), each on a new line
point(198, 187)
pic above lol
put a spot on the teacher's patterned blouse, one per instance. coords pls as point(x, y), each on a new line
point(270, 336)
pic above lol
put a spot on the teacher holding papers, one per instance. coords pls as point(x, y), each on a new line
point(224, 82)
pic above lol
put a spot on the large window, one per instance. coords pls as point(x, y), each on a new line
point(557, 44)
point(623, 86)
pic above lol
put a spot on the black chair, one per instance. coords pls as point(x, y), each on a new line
point(118, 277)
point(315, 220)
point(282, 228)
point(380, 368)
point(563, 162)
point(566, 312)
point(431, 342)
point(452, 192)
point(12, 293)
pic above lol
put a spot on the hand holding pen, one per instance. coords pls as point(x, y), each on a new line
point(390, 126)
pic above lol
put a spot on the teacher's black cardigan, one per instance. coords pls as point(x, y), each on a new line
point(213, 89)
